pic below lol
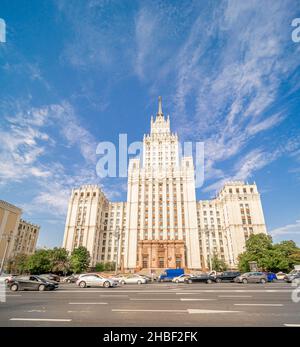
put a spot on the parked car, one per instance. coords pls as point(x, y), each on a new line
point(226, 276)
point(280, 275)
point(118, 277)
point(202, 278)
point(51, 277)
point(295, 276)
point(71, 279)
point(169, 274)
point(252, 277)
point(30, 283)
point(95, 281)
point(133, 279)
point(182, 278)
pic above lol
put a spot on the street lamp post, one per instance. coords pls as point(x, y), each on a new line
point(117, 237)
point(8, 239)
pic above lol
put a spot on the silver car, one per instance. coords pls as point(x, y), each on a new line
point(95, 281)
point(252, 277)
point(133, 279)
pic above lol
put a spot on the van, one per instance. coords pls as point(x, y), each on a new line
point(169, 274)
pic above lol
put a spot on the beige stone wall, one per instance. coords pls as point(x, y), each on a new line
point(9, 221)
point(225, 223)
point(26, 238)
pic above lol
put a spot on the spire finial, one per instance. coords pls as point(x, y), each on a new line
point(160, 105)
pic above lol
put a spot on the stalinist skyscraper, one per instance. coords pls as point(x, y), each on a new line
point(161, 225)
point(161, 229)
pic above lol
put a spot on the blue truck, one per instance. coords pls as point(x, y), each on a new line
point(169, 274)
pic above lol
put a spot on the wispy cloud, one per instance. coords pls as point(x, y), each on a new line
point(289, 230)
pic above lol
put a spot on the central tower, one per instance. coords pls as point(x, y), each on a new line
point(161, 227)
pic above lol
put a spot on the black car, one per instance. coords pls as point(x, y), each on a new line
point(226, 276)
point(30, 283)
point(51, 277)
point(203, 278)
point(71, 279)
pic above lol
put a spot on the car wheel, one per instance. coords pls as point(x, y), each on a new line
point(14, 287)
point(122, 282)
point(106, 284)
point(245, 281)
point(68, 281)
point(176, 281)
point(262, 281)
point(139, 282)
point(41, 287)
point(218, 280)
point(82, 284)
point(209, 281)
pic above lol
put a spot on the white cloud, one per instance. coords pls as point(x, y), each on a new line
point(289, 229)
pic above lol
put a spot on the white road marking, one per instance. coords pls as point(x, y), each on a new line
point(258, 304)
point(36, 311)
point(152, 299)
point(129, 310)
point(190, 299)
point(87, 303)
point(41, 319)
point(189, 311)
point(196, 311)
point(236, 291)
point(13, 295)
point(292, 325)
point(235, 296)
point(158, 293)
point(167, 291)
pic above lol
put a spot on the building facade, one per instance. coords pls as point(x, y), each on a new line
point(9, 220)
point(16, 235)
point(26, 238)
point(161, 225)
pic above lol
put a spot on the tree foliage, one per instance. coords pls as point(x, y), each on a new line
point(60, 262)
point(108, 266)
point(269, 257)
point(80, 259)
point(39, 262)
point(18, 264)
point(218, 264)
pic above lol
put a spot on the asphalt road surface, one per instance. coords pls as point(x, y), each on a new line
point(155, 305)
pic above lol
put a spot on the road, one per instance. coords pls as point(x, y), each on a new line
point(155, 305)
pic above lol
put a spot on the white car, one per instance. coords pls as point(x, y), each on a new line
point(133, 279)
point(95, 281)
point(182, 278)
point(281, 275)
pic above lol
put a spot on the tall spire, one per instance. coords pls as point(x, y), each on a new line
point(160, 106)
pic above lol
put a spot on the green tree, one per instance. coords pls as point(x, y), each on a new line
point(39, 262)
point(60, 262)
point(80, 259)
point(270, 257)
point(18, 264)
point(218, 264)
point(99, 267)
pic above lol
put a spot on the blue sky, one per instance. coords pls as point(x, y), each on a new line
point(74, 73)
